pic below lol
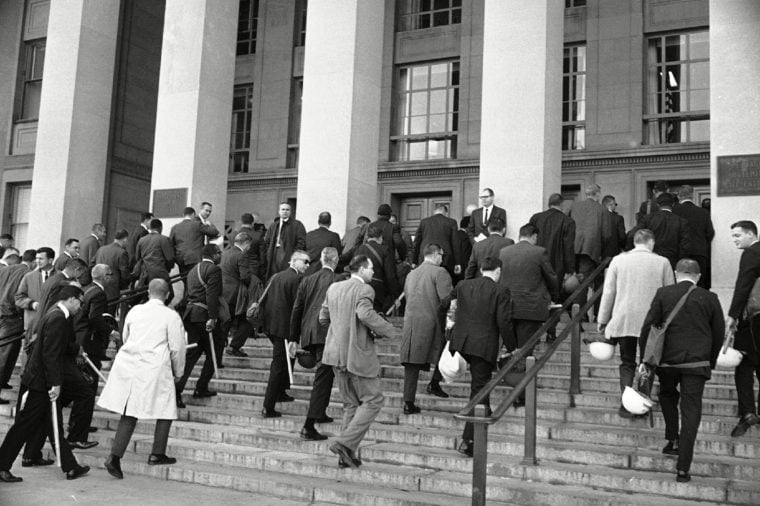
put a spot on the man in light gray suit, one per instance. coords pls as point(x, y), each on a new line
point(29, 291)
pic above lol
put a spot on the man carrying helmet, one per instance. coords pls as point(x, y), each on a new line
point(691, 345)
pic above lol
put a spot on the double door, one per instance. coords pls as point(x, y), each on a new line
point(416, 207)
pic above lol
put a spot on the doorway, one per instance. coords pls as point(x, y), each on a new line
point(413, 208)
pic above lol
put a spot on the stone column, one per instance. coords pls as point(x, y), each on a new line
point(68, 185)
point(734, 123)
point(520, 140)
point(340, 125)
point(194, 111)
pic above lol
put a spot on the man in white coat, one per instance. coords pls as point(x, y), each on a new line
point(631, 281)
point(141, 383)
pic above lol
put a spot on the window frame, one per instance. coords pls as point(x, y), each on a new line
point(28, 78)
point(570, 142)
point(242, 153)
point(413, 13)
point(248, 27)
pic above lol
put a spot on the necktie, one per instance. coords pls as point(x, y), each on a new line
point(485, 216)
point(44, 276)
point(279, 231)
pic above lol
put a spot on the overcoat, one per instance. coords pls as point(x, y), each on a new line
point(141, 382)
point(304, 320)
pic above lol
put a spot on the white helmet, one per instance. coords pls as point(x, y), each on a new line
point(452, 367)
point(601, 350)
point(729, 358)
point(635, 402)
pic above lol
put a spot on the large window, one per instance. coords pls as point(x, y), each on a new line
point(419, 14)
point(248, 25)
point(574, 98)
point(678, 88)
point(302, 6)
point(294, 124)
point(426, 112)
point(34, 61)
point(240, 140)
point(18, 213)
point(575, 3)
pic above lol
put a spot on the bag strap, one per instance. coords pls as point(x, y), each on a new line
point(203, 283)
point(701, 363)
point(678, 307)
point(375, 253)
point(266, 289)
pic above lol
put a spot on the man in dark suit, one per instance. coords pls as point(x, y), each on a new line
point(154, 257)
point(277, 307)
point(556, 233)
point(236, 276)
point(478, 229)
point(701, 232)
point(285, 236)
point(256, 253)
point(51, 360)
point(75, 272)
point(188, 238)
point(616, 242)
point(465, 247)
point(390, 233)
point(672, 238)
point(201, 318)
point(90, 245)
point(650, 206)
point(488, 247)
point(116, 257)
point(481, 321)
point(385, 279)
point(70, 250)
point(692, 342)
point(745, 326)
point(318, 239)
point(138, 233)
point(441, 230)
point(532, 283)
point(352, 239)
point(305, 327)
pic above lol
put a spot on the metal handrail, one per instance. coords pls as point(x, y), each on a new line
point(481, 419)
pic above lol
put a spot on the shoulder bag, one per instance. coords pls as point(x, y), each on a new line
point(656, 337)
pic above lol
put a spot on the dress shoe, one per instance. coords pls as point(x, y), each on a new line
point(345, 454)
point(745, 422)
point(92, 429)
point(7, 477)
point(78, 471)
point(410, 408)
point(325, 419)
point(180, 404)
point(342, 463)
point(312, 434)
point(270, 413)
point(671, 448)
point(200, 394)
point(683, 477)
point(156, 460)
point(285, 398)
point(4, 401)
point(83, 445)
point(113, 466)
point(435, 389)
point(36, 462)
point(236, 352)
point(465, 448)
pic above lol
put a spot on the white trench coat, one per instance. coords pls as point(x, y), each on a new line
point(141, 381)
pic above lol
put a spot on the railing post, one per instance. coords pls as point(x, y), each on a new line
point(529, 456)
point(480, 458)
point(575, 356)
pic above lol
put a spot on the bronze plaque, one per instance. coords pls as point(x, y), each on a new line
point(169, 203)
point(738, 175)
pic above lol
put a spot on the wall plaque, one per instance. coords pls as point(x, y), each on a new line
point(738, 175)
point(169, 203)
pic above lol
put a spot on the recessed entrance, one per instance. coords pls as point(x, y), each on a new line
point(414, 207)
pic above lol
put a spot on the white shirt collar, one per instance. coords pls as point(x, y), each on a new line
point(101, 286)
point(95, 236)
point(328, 267)
point(64, 309)
point(354, 276)
point(143, 226)
point(641, 247)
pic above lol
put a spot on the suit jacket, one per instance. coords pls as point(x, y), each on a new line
point(292, 237)
point(304, 320)
point(671, 234)
point(91, 329)
point(52, 357)
point(593, 226)
point(62, 260)
point(385, 280)
point(749, 271)
point(696, 332)
point(134, 237)
point(50, 292)
point(257, 253)
point(117, 258)
point(465, 251)
point(316, 241)
point(443, 231)
point(646, 208)
point(203, 296)
point(10, 280)
point(531, 281)
point(482, 318)
point(556, 233)
point(87, 249)
point(348, 309)
point(188, 238)
point(391, 236)
point(488, 247)
point(279, 301)
point(236, 276)
point(29, 291)
point(701, 231)
point(477, 227)
point(154, 257)
point(616, 242)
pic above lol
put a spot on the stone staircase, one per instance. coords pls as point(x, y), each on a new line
point(587, 454)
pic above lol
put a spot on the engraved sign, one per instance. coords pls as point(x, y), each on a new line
point(169, 203)
point(738, 175)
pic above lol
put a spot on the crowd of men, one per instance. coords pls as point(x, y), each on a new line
point(324, 300)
